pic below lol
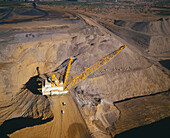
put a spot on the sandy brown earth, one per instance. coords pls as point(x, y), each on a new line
point(114, 99)
point(70, 124)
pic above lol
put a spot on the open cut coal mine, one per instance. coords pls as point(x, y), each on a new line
point(130, 91)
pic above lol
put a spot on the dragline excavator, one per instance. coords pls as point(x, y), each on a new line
point(53, 87)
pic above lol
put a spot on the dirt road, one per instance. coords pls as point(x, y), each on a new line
point(70, 123)
point(67, 125)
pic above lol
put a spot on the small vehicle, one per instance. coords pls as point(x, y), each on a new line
point(62, 111)
point(63, 103)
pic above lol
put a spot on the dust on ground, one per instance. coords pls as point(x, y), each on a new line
point(48, 42)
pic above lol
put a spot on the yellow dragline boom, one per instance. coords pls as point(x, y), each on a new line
point(67, 71)
point(90, 70)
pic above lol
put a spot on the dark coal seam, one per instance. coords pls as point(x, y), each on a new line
point(25, 20)
point(127, 99)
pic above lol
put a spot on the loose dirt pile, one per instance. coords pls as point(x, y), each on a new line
point(155, 35)
point(26, 46)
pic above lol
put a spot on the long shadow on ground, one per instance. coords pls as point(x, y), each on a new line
point(158, 129)
point(34, 84)
point(12, 125)
point(165, 63)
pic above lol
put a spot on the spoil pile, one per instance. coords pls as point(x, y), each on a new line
point(128, 75)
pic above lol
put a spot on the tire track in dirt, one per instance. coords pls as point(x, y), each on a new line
point(70, 123)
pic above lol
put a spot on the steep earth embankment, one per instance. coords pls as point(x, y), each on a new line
point(153, 36)
point(46, 45)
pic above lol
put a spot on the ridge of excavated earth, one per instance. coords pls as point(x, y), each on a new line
point(48, 46)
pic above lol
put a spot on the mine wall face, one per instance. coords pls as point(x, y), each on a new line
point(128, 75)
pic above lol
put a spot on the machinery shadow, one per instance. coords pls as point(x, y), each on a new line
point(34, 85)
point(12, 125)
point(64, 64)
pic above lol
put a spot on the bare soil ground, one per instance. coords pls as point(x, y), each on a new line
point(69, 124)
point(131, 91)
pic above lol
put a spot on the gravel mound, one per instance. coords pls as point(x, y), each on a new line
point(129, 74)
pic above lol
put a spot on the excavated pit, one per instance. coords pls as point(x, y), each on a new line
point(149, 36)
point(48, 46)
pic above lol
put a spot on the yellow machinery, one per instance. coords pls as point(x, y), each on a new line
point(67, 71)
point(60, 88)
point(90, 70)
point(53, 78)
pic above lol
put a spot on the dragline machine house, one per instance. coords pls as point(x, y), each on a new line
point(53, 87)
